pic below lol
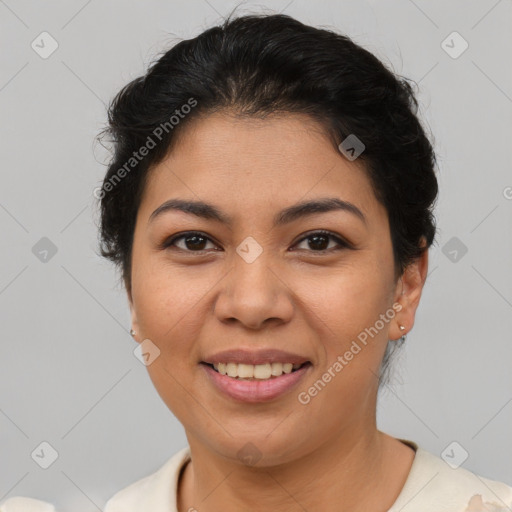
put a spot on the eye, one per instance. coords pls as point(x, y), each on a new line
point(317, 240)
point(195, 241)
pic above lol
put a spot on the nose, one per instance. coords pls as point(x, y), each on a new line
point(254, 294)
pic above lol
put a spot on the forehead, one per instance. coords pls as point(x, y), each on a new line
point(244, 164)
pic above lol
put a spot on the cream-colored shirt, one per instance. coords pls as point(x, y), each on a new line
point(431, 486)
point(19, 504)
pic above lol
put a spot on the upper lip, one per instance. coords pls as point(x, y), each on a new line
point(262, 356)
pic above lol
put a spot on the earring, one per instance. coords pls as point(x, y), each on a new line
point(132, 332)
point(404, 336)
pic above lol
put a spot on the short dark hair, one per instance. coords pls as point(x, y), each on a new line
point(260, 65)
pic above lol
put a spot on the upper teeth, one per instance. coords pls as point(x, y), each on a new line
point(257, 371)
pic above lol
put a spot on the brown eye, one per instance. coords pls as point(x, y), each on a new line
point(192, 242)
point(319, 241)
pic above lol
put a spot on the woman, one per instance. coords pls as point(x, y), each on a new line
point(269, 204)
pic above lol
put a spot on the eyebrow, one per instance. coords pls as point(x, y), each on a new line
point(290, 214)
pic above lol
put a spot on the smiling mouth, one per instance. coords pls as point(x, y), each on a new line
point(251, 372)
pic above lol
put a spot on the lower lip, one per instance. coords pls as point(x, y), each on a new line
point(255, 390)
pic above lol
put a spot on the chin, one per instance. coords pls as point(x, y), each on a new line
point(259, 450)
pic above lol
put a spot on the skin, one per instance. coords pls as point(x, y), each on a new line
point(321, 456)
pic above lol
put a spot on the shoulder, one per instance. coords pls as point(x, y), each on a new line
point(434, 484)
point(19, 504)
point(156, 492)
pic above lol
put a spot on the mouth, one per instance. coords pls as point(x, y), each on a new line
point(255, 372)
point(255, 383)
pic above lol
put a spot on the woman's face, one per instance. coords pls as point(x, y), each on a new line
point(260, 284)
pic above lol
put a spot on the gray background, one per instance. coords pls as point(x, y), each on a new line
point(68, 375)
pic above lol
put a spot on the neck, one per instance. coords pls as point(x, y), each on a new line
point(333, 477)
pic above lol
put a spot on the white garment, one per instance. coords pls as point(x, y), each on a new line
point(19, 504)
point(431, 486)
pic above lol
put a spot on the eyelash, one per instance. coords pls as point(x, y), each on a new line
point(342, 244)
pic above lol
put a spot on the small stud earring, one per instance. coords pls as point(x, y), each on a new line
point(132, 332)
point(404, 336)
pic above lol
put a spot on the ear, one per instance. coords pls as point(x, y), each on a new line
point(408, 293)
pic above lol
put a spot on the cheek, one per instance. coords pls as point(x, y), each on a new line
point(347, 309)
point(166, 295)
point(346, 299)
point(170, 312)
